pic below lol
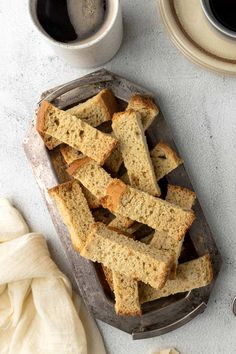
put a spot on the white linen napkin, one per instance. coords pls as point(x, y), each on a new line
point(38, 311)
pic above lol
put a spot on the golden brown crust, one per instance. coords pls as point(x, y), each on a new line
point(209, 268)
point(77, 164)
point(109, 102)
point(119, 115)
point(146, 102)
point(43, 108)
point(191, 219)
point(67, 186)
point(114, 193)
point(128, 313)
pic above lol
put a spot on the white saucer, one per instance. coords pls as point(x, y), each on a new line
point(195, 37)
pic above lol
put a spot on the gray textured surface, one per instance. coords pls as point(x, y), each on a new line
point(201, 109)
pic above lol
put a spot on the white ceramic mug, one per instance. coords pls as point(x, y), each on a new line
point(95, 50)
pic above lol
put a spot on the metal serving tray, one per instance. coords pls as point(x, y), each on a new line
point(159, 316)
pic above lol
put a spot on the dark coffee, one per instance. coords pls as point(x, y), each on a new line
point(225, 12)
point(71, 20)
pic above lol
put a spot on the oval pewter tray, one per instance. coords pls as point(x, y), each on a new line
point(159, 316)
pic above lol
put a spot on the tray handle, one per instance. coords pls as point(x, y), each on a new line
point(155, 330)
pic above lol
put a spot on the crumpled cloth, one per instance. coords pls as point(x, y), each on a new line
point(39, 314)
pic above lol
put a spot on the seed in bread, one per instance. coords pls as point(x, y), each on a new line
point(128, 129)
point(164, 160)
point(74, 211)
point(146, 107)
point(74, 132)
point(184, 198)
point(94, 112)
point(190, 275)
point(144, 208)
point(131, 258)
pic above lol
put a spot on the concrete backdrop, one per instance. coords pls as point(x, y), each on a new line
point(201, 109)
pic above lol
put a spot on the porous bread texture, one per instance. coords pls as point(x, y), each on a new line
point(148, 111)
point(70, 155)
point(74, 132)
point(74, 211)
point(190, 275)
point(184, 198)
point(126, 295)
point(91, 175)
point(96, 180)
point(181, 196)
point(108, 276)
point(164, 160)
point(146, 209)
point(94, 111)
point(128, 130)
point(126, 256)
point(146, 107)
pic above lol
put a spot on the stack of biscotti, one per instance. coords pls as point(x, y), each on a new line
point(137, 271)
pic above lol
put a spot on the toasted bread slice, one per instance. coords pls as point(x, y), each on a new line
point(129, 131)
point(184, 198)
point(148, 110)
point(74, 132)
point(146, 107)
point(96, 180)
point(190, 275)
point(74, 211)
point(146, 209)
point(164, 160)
point(131, 258)
point(94, 112)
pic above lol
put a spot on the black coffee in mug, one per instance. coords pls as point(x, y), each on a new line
point(225, 12)
point(71, 20)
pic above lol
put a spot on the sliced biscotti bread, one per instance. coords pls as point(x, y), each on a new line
point(74, 211)
point(94, 111)
point(128, 129)
point(126, 256)
point(126, 295)
point(184, 198)
point(70, 154)
point(181, 196)
point(74, 132)
point(190, 275)
point(96, 180)
point(146, 107)
point(164, 160)
point(144, 208)
point(148, 110)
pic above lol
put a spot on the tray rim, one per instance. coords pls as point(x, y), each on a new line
point(195, 301)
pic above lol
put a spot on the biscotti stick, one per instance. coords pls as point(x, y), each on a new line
point(74, 132)
point(94, 112)
point(74, 211)
point(185, 198)
point(129, 131)
point(190, 275)
point(131, 258)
